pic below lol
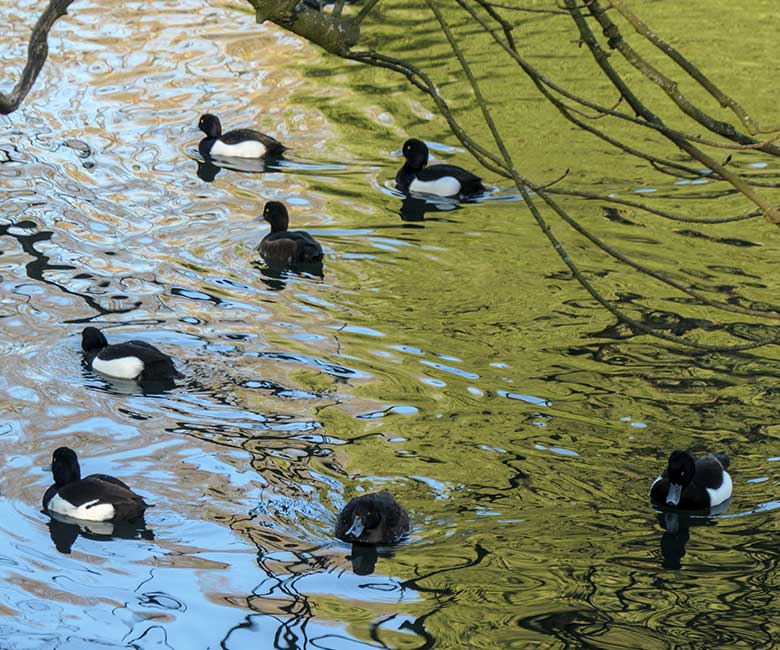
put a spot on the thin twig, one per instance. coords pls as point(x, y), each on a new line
point(364, 10)
point(531, 10)
point(505, 25)
point(771, 213)
point(646, 208)
point(671, 88)
point(553, 182)
point(723, 99)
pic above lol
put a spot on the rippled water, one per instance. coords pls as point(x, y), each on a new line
point(449, 359)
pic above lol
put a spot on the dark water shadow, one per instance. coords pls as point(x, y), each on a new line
point(414, 208)
point(64, 531)
point(276, 277)
point(208, 168)
point(677, 525)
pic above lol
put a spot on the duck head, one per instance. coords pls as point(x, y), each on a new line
point(275, 213)
point(210, 125)
point(65, 466)
point(416, 153)
point(365, 518)
point(680, 471)
point(92, 340)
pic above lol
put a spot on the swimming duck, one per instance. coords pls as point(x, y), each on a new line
point(129, 360)
point(95, 498)
point(240, 143)
point(439, 180)
point(693, 483)
point(282, 247)
point(372, 519)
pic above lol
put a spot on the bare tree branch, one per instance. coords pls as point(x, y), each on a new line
point(533, 10)
point(523, 186)
point(365, 9)
point(771, 213)
point(723, 99)
point(37, 52)
point(670, 87)
point(335, 34)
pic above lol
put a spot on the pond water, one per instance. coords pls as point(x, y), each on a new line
point(446, 355)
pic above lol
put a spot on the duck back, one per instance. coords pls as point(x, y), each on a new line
point(242, 143)
point(134, 359)
point(439, 180)
point(290, 247)
point(95, 498)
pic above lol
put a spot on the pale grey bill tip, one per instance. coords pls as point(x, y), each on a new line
point(673, 497)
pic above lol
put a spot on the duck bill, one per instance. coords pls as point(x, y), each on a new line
point(675, 492)
point(356, 529)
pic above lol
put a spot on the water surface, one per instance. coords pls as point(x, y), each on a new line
point(445, 355)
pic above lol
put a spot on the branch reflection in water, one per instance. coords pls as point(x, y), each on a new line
point(289, 599)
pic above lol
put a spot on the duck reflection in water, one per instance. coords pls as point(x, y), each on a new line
point(413, 208)
point(128, 386)
point(64, 530)
point(363, 558)
point(277, 279)
point(677, 525)
point(208, 170)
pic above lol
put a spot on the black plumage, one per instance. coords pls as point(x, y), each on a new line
point(375, 518)
point(156, 365)
point(212, 127)
point(689, 483)
point(416, 167)
point(282, 247)
point(93, 491)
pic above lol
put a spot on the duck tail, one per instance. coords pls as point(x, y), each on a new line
point(724, 459)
